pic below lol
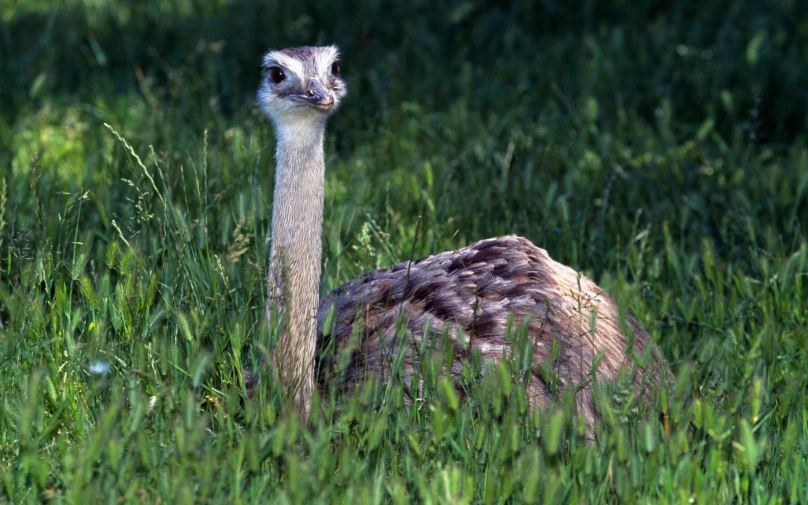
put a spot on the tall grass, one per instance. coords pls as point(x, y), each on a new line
point(659, 148)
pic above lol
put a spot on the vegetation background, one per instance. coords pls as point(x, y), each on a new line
point(660, 147)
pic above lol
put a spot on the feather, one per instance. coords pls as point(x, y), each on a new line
point(475, 291)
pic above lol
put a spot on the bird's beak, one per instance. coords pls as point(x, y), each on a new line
point(318, 96)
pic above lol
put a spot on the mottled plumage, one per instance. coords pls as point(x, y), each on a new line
point(467, 295)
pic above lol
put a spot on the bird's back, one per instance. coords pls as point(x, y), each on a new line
point(476, 297)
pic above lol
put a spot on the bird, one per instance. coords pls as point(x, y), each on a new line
point(470, 298)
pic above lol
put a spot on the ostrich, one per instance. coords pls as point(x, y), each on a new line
point(472, 296)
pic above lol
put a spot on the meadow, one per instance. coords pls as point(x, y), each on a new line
point(659, 147)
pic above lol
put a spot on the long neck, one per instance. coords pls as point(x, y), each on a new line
point(295, 257)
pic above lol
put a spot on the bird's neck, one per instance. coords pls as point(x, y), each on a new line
point(295, 257)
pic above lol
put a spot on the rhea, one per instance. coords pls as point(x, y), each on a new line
point(472, 296)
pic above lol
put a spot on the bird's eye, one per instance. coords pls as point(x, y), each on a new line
point(335, 69)
point(276, 74)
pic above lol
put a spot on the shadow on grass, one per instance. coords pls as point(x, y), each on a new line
point(736, 61)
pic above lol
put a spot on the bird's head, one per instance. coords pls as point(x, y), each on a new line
point(301, 85)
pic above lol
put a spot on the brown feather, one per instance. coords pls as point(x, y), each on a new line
point(472, 292)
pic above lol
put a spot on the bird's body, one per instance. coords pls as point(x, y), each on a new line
point(471, 296)
point(476, 299)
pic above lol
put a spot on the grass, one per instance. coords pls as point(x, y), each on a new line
point(660, 148)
